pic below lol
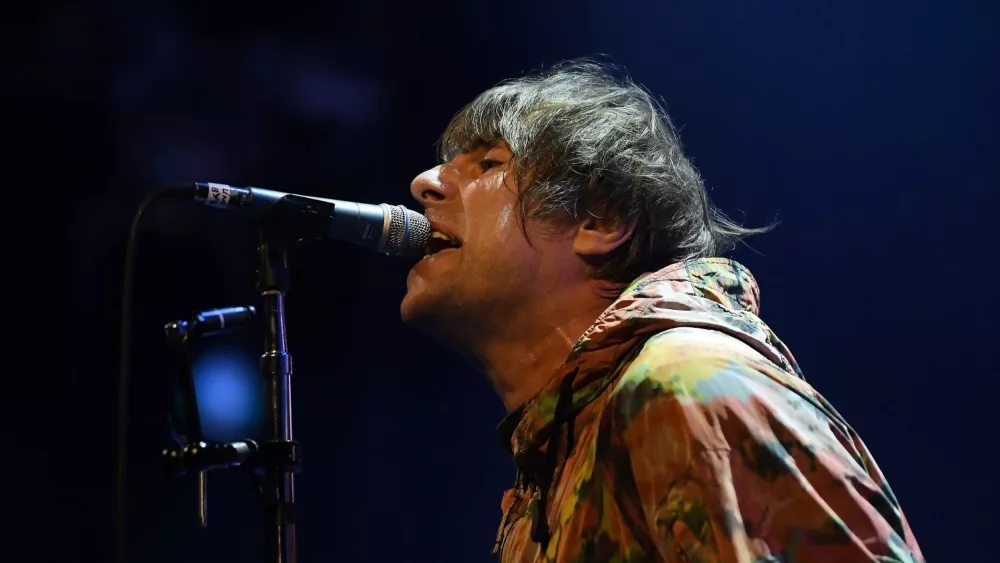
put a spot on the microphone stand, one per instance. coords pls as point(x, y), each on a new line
point(278, 482)
point(276, 459)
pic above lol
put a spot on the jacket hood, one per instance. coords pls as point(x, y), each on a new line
point(712, 293)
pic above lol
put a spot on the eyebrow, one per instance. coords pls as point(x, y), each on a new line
point(473, 145)
point(477, 144)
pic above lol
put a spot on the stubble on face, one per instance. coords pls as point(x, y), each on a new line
point(467, 293)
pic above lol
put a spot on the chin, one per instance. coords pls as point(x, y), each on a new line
point(407, 310)
point(429, 314)
point(422, 299)
point(418, 308)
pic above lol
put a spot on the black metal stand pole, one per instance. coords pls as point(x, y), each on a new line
point(278, 479)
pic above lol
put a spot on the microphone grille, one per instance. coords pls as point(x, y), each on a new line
point(408, 232)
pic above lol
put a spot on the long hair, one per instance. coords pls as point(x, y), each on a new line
point(596, 144)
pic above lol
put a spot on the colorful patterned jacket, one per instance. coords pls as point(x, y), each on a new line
point(680, 429)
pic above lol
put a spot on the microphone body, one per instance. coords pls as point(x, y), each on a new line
point(393, 230)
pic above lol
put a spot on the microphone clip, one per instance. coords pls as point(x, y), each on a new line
point(210, 322)
point(192, 452)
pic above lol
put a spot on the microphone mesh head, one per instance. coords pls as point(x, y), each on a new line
point(408, 232)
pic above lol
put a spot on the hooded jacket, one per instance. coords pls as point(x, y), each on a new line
point(680, 429)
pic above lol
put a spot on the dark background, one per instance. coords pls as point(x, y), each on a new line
point(866, 128)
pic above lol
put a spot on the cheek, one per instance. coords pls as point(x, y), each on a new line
point(500, 244)
point(496, 231)
point(506, 225)
point(510, 237)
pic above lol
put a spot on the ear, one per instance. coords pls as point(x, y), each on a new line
point(596, 236)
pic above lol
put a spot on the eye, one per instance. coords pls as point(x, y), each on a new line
point(487, 164)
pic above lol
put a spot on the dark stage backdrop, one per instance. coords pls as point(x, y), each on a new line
point(867, 129)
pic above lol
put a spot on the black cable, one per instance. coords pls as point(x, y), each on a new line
point(124, 366)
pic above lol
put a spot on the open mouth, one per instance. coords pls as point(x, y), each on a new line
point(439, 241)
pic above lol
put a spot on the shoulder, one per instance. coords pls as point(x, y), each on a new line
point(688, 388)
point(693, 366)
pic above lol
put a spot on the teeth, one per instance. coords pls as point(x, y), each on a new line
point(442, 236)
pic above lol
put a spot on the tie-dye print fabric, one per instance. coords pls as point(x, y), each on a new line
point(680, 429)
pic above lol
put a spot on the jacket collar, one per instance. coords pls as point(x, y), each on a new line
point(703, 291)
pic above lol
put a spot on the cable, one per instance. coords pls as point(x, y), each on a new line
point(123, 368)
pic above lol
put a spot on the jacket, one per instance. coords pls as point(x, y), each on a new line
point(681, 429)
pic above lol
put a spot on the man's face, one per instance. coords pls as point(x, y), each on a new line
point(491, 271)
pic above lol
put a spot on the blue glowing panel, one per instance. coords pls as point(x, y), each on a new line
point(230, 394)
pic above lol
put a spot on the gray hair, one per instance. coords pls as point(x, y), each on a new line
point(584, 142)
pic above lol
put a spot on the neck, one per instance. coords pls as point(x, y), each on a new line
point(524, 354)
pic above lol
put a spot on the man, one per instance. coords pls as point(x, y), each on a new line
point(652, 415)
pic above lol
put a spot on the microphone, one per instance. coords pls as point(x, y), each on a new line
point(390, 229)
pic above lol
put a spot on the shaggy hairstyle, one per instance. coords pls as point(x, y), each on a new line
point(585, 142)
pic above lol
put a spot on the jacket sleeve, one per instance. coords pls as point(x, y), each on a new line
point(727, 464)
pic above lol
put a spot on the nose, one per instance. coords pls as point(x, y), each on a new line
point(431, 186)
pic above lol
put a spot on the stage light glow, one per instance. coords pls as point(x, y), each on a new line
point(230, 394)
